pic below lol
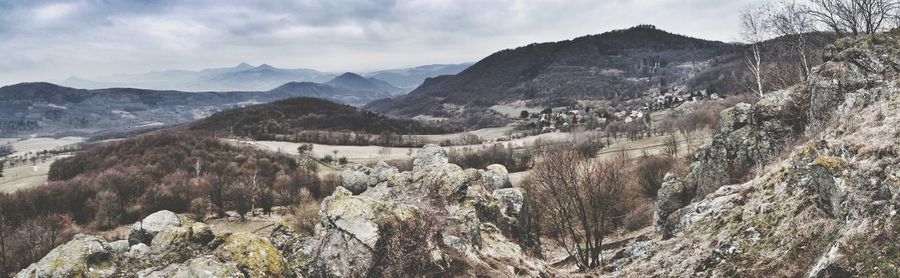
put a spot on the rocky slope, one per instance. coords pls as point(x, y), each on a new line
point(804, 183)
point(436, 219)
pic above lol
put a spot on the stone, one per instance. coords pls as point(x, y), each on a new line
point(144, 231)
point(429, 156)
point(356, 179)
point(252, 254)
point(201, 233)
point(83, 256)
point(510, 200)
point(495, 177)
point(119, 246)
point(205, 266)
point(670, 197)
point(139, 250)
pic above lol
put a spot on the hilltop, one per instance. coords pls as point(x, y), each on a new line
point(297, 115)
point(622, 64)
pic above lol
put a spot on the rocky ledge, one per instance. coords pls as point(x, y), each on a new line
point(806, 183)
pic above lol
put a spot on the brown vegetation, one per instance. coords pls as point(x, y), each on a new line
point(118, 183)
point(514, 160)
point(583, 201)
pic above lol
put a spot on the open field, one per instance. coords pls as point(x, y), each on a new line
point(28, 175)
point(24, 176)
point(364, 154)
point(23, 146)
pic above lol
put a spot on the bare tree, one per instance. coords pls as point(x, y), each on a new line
point(755, 30)
point(788, 18)
point(583, 201)
point(854, 17)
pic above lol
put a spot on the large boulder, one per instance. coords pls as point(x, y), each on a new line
point(83, 256)
point(252, 254)
point(429, 156)
point(360, 178)
point(143, 231)
point(495, 176)
point(178, 243)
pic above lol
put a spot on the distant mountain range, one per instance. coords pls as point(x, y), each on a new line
point(245, 77)
point(409, 79)
point(49, 109)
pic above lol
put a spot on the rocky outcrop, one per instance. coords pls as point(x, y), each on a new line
point(438, 218)
point(436, 207)
point(83, 256)
point(749, 137)
point(672, 195)
point(143, 231)
point(825, 207)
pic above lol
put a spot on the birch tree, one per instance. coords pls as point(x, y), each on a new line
point(755, 30)
point(788, 18)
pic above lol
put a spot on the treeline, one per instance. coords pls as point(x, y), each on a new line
point(348, 139)
point(120, 182)
point(299, 116)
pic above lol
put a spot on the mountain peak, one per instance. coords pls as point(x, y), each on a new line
point(265, 66)
point(349, 75)
point(243, 65)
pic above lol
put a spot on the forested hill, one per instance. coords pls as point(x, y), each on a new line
point(621, 64)
point(297, 115)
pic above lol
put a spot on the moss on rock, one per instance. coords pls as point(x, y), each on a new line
point(254, 255)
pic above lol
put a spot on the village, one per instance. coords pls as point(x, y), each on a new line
point(592, 117)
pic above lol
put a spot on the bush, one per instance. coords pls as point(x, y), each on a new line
point(639, 217)
point(305, 215)
point(515, 161)
point(650, 171)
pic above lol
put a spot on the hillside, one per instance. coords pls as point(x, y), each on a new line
point(622, 64)
point(120, 182)
point(355, 82)
point(297, 115)
point(802, 184)
point(48, 109)
point(409, 79)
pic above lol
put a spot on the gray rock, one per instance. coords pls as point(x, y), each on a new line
point(429, 156)
point(119, 246)
point(83, 256)
point(206, 266)
point(510, 200)
point(144, 231)
point(670, 197)
point(495, 177)
point(139, 250)
point(357, 179)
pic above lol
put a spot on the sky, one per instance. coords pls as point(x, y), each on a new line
point(52, 40)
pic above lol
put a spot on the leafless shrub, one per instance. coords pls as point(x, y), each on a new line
point(583, 201)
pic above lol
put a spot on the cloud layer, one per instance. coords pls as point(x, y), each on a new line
point(49, 40)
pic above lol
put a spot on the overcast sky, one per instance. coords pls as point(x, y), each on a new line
point(51, 40)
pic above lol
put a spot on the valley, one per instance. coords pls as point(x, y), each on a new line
point(375, 150)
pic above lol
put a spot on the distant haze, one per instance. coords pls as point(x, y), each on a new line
point(52, 40)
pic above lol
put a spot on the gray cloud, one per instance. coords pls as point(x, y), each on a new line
point(49, 40)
